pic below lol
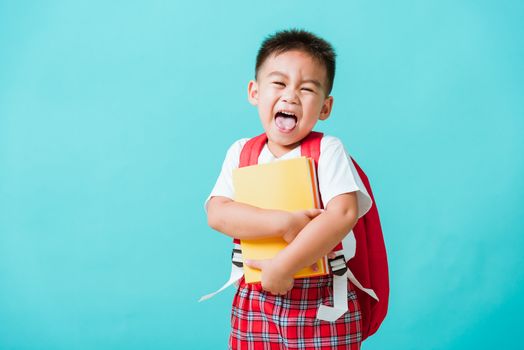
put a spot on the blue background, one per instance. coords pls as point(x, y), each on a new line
point(115, 118)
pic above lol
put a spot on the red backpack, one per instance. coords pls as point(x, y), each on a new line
point(369, 264)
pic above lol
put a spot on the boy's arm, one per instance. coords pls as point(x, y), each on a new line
point(316, 240)
point(242, 221)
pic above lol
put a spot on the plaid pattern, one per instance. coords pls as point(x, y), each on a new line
point(264, 321)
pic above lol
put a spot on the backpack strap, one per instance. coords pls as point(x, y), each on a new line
point(251, 150)
point(310, 148)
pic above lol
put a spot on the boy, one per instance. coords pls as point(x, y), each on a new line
point(293, 80)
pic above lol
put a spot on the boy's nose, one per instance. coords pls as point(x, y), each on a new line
point(289, 96)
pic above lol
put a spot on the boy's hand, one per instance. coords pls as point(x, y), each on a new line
point(274, 280)
point(297, 221)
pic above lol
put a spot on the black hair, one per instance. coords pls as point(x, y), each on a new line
point(298, 39)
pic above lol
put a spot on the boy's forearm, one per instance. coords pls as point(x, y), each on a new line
point(242, 221)
point(317, 239)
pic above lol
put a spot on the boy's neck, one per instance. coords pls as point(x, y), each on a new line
point(279, 150)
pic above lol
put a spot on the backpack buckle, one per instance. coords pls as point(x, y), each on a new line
point(338, 265)
point(236, 257)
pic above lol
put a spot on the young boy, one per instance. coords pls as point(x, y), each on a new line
point(294, 77)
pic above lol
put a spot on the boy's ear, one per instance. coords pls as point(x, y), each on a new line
point(326, 108)
point(252, 92)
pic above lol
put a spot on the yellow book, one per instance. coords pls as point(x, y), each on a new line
point(285, 185)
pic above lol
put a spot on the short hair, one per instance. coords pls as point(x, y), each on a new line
point(302, 40)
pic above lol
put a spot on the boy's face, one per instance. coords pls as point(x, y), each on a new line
point(290, 92)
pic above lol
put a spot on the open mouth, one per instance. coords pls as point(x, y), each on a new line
point(285, 121)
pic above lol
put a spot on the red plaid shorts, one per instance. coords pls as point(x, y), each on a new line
point(260, 320)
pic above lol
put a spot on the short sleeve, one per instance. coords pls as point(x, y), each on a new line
point(338, 175)
point(224, 184)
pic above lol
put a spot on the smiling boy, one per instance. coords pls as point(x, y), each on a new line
point(294, 77)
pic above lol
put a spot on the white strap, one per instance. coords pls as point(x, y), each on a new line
point(349, 245)
point(237, 271)
point(354, 280)
point(326, 313)
point(340, 300)
point(236, 274)
point(340, 297)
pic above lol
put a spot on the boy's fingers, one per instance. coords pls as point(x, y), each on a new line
point(314, 212)
point(255, 264)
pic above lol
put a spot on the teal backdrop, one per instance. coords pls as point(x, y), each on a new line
point(115, 117)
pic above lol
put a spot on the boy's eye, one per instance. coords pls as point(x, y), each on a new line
point(279, 83)
point(307, 89)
